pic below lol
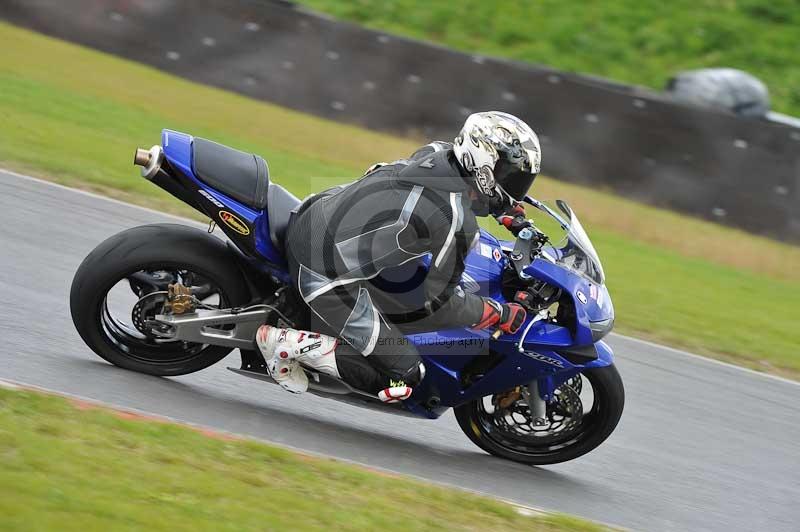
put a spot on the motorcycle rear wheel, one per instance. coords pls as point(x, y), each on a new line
point(593, 427)
point(151, 250)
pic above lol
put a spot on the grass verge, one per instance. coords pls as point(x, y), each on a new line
point(75, 467)
point(74, 116)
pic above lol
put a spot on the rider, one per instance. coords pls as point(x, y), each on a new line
point(340, 239)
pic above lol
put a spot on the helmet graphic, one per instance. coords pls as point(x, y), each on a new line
point(502, 154)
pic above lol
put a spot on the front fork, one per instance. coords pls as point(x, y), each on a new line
point(536, 404)
point(538, 393)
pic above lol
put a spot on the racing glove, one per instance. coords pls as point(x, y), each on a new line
point(515, 210)
point(514, 220)
point(508, 317)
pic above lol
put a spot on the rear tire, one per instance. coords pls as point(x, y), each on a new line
point(596, 425)
point(151, 247)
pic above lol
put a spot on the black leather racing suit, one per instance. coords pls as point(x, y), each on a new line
point(340, 240)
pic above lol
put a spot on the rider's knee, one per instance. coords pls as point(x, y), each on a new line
point(414, 375)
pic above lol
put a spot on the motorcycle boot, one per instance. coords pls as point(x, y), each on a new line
point(285, 350)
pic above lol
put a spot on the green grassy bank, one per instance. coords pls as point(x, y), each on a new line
point(633, 41)
point(67, 467)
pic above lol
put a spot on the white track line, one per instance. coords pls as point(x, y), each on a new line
point(194, 222)
point(706, 359)
point(100, 197)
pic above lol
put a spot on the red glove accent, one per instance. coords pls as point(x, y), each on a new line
point(514, 219)
point(516, 210)
point(508, 317)
point(514, 224)
point(513, 318)
point(492, 312)
point(505, 221)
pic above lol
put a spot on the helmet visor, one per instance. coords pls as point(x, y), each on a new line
point(513, 180)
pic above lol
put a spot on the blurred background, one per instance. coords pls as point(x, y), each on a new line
point(700, 138)
point(670, 127)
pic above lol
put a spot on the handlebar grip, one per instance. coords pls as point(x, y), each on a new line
point(497, 334)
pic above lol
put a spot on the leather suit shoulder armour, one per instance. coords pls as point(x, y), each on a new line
point(438, 171)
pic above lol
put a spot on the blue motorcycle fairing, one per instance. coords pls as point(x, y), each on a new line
point(483, 268)
point(446, 353)
point(592, 302)
point(178, 150)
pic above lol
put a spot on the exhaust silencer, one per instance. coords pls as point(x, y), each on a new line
point(141, 157)
point(150, 160)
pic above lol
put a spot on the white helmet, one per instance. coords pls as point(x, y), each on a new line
point(502, 154)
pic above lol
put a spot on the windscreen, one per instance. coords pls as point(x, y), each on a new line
point(573, 247)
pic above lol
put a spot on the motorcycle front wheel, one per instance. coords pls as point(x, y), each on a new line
point(122, 285)
point(584, 412)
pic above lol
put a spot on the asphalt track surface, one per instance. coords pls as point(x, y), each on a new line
point(701, 446)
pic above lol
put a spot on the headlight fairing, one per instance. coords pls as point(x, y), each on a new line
point(601, 328)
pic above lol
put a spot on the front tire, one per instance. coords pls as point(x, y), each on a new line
point(157, 247)
point(608, 401)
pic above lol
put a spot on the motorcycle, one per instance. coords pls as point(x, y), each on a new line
point(169, 299)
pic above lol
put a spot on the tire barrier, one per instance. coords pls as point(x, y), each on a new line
point(640, 144)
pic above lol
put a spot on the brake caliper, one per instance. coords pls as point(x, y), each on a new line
point(179, 300)
point(506, 399)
